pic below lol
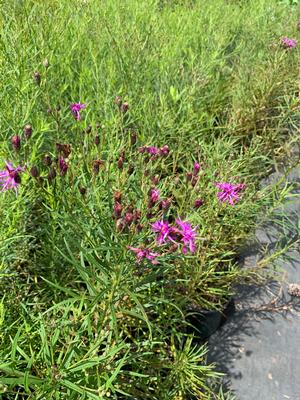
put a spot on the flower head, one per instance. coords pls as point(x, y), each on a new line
point(229, 192)
point(10, 177)
point(63, 166)
point(76, 108)
point(142, 253)
point(163, 230)
point(198, 203)
point(154, 195)
point(287, 43)
point(188, 235)
point(197, 168)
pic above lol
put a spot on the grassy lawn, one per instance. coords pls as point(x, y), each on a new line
point(136, 132)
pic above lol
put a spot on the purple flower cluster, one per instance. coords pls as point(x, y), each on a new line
point(76, 108)
point(288, 43)
point(155, 151)
point(10, 177)
point(182, 233)
point(229, 192)
point(144, 253)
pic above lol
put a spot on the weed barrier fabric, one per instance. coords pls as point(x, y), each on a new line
point(258, 348)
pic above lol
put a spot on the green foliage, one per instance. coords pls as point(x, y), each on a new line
point(79, 318)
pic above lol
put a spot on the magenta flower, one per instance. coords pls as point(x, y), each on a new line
point(76, 108)
point(229, 192)
point(154, 195)
point(63, 166)
point(10, 177)
point(287, 43)
point(197, 168)
point(144, 254)
point(188, 236)
point(163, 230)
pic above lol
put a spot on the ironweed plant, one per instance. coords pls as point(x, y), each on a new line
point(133, 137)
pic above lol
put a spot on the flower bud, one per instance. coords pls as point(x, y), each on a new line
point(34, 172)
point(155, 180)
point(52, 174)
point(82, 190)
point(117, 210)
point(196, 168)
point(133, 138)
point(27, 131)
point(165, 204)
point(47, 160)
point(198, 203)
point(124, 107)
point(63, 166)
point(37, 78)
point(120, 163)
point(97, 140)
point(16, 142)
point(129, 217)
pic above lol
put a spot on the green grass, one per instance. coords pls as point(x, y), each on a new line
point(79, 319)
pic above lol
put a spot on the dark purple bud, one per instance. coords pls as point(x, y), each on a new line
point(15, 176)
point(37, 77)
point(64, 148)
point(16, 142)
point(47, 160)
point(117, 210)
point(198, 203)
point(63, 166)
point(96, 166)
point(97, 140)
point(34, 172)
point(298, 25)
point(27, 131)
point(133, 138)
point(124, 107)
point(149, 215)
point(82, 190)
point(52, 174)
